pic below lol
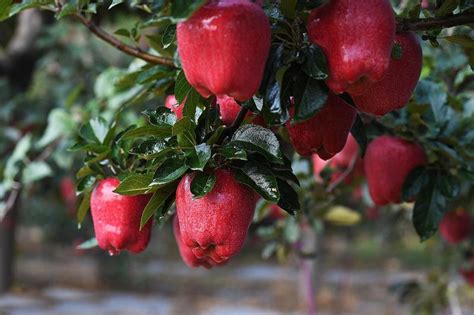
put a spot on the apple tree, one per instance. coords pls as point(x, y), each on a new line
point(283, 109)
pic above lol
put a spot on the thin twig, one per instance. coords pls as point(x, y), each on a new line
point(344, 175)
point(427, 24)
point(132, 51)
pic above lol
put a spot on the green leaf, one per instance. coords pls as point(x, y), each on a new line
point(136, 184)
point(463, 40)
point(148, 131)
point(161, 117)
point(115, 3)
point(429, 208)
point(170, 170)
point(360, 135)
point(60, 124)
point(156, 202)
point(202, 184)
point(153, 149)
point(12, 167)
point(231, 152)
point(184, 129)
point(169, 36)
point(199, 156)
point(88, 244)
point(184, 92)
point(314, 98)
point(182, 9)
point(66, 10)
point(315, 63)
point(84, 206)
point(289, 200)
point(95, 130)
point(447, 7)
point(260, 140)
point(5, 6)
point(260, 178)
point(35, 171)
point(414, 182)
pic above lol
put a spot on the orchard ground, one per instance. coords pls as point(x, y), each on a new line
point(54, 279)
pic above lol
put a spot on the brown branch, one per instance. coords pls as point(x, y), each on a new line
point(129, 50)
point(405, 25)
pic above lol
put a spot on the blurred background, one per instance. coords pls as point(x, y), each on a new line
point(54, 76)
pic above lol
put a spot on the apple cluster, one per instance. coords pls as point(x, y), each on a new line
point(223, 49)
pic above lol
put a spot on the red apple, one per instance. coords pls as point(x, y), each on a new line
point(395, 89)
point(229, 110)
point(215, 226)
point(223, 48)
point(340, 162)
point(186, 254)
point(456, 226)
point(357, 39)
point(116, 218)
point(172, 103)
point(387, 162)
point(326, 133)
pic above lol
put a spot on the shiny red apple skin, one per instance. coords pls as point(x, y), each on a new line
point(229, 110)
point(186, 254)
point(215, 226)
point(456, 226)
point(223, 48)
point(387, 162)
point(357, 39)
point(340, 162)
point(172, 103)
point(326, 133)
point(395, 89)
point(116, 219)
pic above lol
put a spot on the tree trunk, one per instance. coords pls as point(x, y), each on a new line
point(309, 246)
point(7, 248)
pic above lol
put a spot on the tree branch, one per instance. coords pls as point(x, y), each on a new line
point(129, 50)
point(427, 24)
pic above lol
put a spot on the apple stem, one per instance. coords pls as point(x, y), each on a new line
point(406, 25)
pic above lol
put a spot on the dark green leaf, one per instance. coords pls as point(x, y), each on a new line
point(199, 156)
point(161, 117)
point(360, 135)
point(315, 63)
point(184, 129)
point(157, 200)
point(429, 208)
point(260, 178)
point(182, 9)
point(202, 184)
point(288, 197)
point(95, 130)
point(314, 98)
point(148, 131)
point(260, 140)
point(170, 170)
point(84, 206)
point(231, 152)
point(414, 182)
point(136, 184)
point(153, 149)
